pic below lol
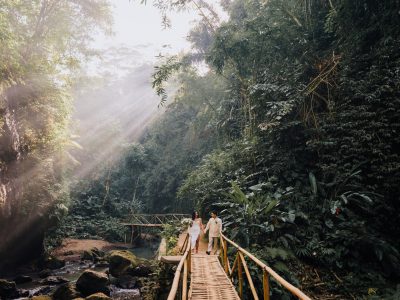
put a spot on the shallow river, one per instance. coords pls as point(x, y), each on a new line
point(73, 269)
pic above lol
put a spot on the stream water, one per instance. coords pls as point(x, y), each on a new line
point(73, 269)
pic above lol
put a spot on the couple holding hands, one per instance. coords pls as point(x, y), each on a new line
point(214, 226)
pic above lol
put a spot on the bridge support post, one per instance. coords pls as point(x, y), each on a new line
point(185, 279)
point(266, 285)
point(240, 276)
point(132, 232)
point(226, 262)
point(189, 261)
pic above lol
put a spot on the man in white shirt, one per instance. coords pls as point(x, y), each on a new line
point(215, 227)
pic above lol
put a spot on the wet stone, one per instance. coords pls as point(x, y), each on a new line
point(54, 263)
point(22, 279)
point(126, 282)
point(133, 294)
point(66, 291)
point(102, 264)
point(91, 282)
point(41, 290)
point(8, 289)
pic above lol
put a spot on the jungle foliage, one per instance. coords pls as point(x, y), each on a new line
point(292, 134)
point(41, 45)
point(306, 162)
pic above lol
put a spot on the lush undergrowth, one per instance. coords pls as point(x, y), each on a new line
point(292, 135)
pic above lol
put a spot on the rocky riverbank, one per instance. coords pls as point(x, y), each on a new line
point(77, 270)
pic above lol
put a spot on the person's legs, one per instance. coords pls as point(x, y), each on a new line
point(210, 244)
point(192, 242)
point(216, 244)
point(197, 244)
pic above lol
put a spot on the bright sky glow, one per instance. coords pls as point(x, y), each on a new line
point(138, 26)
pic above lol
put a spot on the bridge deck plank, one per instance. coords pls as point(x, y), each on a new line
point(209, 280)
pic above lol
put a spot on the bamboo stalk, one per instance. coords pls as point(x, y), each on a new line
point(265, 285)
point(175, 283)
point(240, 277)
point(185, 280)
point(235, 263)
point(189, 257)
point(226, 262)
point(246, 270)
point(295, 291)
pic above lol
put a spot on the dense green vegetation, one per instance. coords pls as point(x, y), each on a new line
point(292, 134)
point(42, 45)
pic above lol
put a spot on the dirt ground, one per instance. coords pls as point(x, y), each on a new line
point(74, 247)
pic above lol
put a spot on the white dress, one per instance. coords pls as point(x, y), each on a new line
point(194, 232)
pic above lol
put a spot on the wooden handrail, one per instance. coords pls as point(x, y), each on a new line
point(239, 265)
point(266, 270)
point(184, 262)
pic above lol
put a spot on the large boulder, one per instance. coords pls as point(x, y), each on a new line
point(121, 261)
point(98, 296)
point(66, 292)
point(8, 289)
point(93, 254)
point(53, 263)
point(142, 269)
point(91, 282)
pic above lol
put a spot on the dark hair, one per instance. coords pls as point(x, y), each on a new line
point(214, 212)
point(194, 215)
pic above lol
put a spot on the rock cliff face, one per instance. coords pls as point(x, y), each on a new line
point(16, 232)
point(10, 154)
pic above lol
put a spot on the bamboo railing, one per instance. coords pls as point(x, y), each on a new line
point(184, 263)
point(153, 219)
point(240, 264)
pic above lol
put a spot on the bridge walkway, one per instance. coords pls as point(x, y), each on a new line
point(209, 280)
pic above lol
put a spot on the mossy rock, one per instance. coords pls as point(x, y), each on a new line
point(121, 261)
point(91, 282)
point(98, 296)
point(8, 289)
point(42, 297)
point(87, 255)
point(66, 292)
point(53, 263)
point(143, 269)
point(93, 254)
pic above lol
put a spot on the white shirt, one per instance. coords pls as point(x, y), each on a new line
point(215, 227)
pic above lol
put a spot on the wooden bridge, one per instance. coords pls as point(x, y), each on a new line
point(212, 277)
point(138, 221)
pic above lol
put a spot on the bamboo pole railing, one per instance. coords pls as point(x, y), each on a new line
point(240, 264)
point(184, 263)
point(153, 219)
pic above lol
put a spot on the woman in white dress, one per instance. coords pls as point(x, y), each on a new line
point(195, 229)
